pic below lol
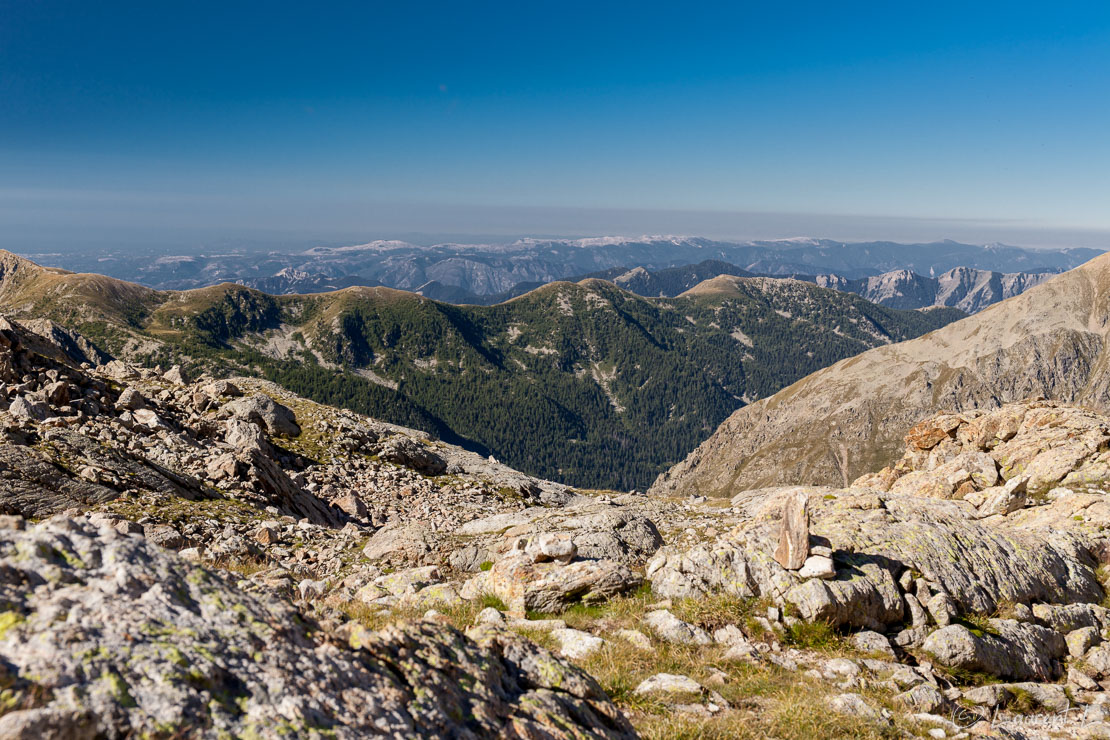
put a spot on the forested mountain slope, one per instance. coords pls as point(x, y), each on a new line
point(579, 382)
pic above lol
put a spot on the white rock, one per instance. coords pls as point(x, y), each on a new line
point(489, 615)
point(668, 682)
point(551, 546)
point(670, 628)
point(852, 704)
point(818, 566)
point(576, 644)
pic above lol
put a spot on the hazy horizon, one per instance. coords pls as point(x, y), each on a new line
point(137, 126)
point(498, 226)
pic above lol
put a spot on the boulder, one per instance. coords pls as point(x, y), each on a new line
point(576, 644)
point(551, 587)
point(668, 683)
point(176, 375)
point(1014, 650)
point(818, 566)
point(599, 530)
point(222, 388)
point(1002, 500)
point(669, 628)
point(551, 546)
point(130, 398)
point(1044, 697)
point(260, 409)
point(868, 641)
point(23, 408)
point(1080, 641)
point(242, 435)
point(1068, 617)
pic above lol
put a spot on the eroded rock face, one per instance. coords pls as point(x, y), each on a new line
point(991, 457)
point(153, 644)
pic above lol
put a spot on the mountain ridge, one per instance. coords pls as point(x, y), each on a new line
point(1050, 340)
point(612, 387)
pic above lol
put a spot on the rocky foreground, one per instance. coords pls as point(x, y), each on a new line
point(209, 557)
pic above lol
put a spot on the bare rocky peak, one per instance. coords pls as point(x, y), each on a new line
point(847, 419)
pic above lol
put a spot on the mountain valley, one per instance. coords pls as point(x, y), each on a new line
point(579, 382)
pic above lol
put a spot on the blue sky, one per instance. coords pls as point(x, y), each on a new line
point(150, 124)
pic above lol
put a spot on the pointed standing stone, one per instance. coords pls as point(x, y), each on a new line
point(794, 537)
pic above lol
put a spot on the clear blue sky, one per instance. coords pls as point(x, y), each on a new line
point(140, 122)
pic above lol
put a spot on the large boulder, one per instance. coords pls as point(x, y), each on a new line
point(404, 450)
point(599, 530)
point(260, 409)
point(551, 587)
point(150, 645)
point(1010, 649)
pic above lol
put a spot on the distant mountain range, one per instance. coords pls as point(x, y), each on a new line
point(504, 269)
point(964, 288)
point(584, 382)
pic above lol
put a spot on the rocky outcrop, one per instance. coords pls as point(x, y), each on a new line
point(1023, 449)
point(1010, 649)
point(848, 419)
point(598, 529)
point(155, 645)
point(877, 541)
